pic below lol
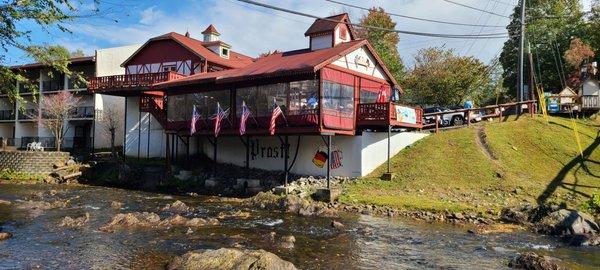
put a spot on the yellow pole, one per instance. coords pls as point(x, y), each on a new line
point(577, 136)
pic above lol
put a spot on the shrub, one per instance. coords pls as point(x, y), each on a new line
point(593, 204)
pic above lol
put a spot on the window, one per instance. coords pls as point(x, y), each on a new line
point(269, 96)
point(176, 112)
point(304, 97)
point(248, 95)
point(169, 68)
point(338, 97)
point(225, 52)
point(367, 96)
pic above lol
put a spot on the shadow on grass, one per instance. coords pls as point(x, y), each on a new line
point(579, 161)
point(569, 128)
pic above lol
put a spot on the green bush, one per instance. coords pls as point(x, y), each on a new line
point(593, 204)
point(8, 174)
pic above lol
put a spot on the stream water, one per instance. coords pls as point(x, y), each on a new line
point(369, 243)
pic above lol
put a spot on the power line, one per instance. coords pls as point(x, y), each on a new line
point(482, 36)
point(474, 8)
point(414, 18)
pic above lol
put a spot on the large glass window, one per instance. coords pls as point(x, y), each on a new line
point(367, 96)
point(304, 97)
point(177, 112)
point(180, 106)
point(269, 96)
point(338, 97)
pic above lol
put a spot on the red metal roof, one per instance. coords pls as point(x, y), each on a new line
point(236, 60)
point(321, 26)
point(278, 64)
point(74, 60)
point(211, 29)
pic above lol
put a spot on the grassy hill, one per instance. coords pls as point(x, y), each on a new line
point(490, 165)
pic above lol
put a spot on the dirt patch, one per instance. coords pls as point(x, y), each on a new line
point(481, 140)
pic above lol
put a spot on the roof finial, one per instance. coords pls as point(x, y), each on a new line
point(187, 33)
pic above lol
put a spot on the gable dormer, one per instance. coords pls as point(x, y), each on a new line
point(329, 32)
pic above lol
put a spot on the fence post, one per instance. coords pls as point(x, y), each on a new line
point(531, 109)
point(468, 117)
point(437, 123)
point(500, 118)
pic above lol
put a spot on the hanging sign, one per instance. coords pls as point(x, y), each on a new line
point(320, 159)
point(406, 115)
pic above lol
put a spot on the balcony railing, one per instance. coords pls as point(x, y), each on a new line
point(383, 114)
point(83, 112)
point(131, 81)
point(28, 114)
point(7, 115)
point(592, 102)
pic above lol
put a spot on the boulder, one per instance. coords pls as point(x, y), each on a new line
point(5, 202)
point(567, 222)
point(152, 220)
point(230, 258)
point(177, 207)
point(237, 214)
point(518, 215)
point(532, 261)
point(582, 240)
point(74, 222)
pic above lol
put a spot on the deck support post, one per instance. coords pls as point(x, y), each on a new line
point(187, 153)
point(168, 153)
point(389, 134)
point(246, 144)
point(215, 157)
point(328, 161)
point(286, 149)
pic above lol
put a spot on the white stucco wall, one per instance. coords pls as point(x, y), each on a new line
point(591, 87)
point(101, 134)
point(360, 154)
point(321, 42)
point(349, 61)
point(140, 131)
point(374, 147)
point(108, 61)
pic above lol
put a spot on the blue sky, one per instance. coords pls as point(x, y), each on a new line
point(253, 30)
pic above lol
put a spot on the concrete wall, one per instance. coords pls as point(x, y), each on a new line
point(31, 162)
point(360, 154)
point(139, 127)
point(374, 147)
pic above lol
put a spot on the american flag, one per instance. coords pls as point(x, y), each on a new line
point(218, 117)
point(244, 118)
point(276, 113)
point(195, 118)
point(336, 159)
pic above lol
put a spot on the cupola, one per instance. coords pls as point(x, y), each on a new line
point(329, 32)
point(211, 34)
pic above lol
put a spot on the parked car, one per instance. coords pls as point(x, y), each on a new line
point(448, 119)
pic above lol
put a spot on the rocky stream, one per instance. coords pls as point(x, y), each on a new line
point(87, 227)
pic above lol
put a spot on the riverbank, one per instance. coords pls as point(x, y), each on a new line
point(490, 166)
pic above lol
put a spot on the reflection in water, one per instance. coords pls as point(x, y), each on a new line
point(370, 242)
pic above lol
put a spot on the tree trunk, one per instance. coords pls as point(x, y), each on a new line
point(112, 143)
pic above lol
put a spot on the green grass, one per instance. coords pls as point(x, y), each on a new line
point(536, 162)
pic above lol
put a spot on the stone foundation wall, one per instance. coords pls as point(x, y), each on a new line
point(31, 162)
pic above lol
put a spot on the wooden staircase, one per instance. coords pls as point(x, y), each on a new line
point(156, 107)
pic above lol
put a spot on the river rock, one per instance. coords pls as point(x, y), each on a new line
point(178, 207)
point(129, 220)
point(74, 222)
point(567, 222)
point(230, 258)
point(518, 215)
point(287, 242)
point(337, 225)
point(5, 235)
point(582, 239)
point(116, 205)
point(5, 202)
point(532, 261)
point(237, 214)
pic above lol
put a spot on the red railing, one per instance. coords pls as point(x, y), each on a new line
point(155, 106)
point(385, 114)
point(129, 81)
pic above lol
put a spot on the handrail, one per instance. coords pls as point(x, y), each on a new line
point(132, 80)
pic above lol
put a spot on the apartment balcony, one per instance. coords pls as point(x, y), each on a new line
point(85, 112)
point(130, 82)
point(7, 115)
point(28, 114)
point(50, 143)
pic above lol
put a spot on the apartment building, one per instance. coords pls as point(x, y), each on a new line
point(85, 127)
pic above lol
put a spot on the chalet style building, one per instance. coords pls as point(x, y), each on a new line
point(336, 97)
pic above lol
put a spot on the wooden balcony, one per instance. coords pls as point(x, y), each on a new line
point(387, 114)
point(590, 102)
point(130, 82)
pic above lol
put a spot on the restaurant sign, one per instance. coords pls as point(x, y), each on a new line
point(406, 114)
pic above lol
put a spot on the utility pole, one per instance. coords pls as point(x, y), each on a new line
point(521, 46)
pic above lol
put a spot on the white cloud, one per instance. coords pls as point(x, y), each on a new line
point(150, 16)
